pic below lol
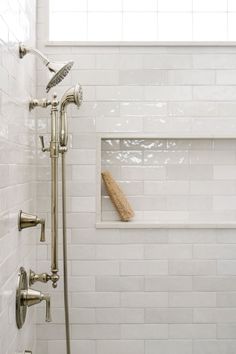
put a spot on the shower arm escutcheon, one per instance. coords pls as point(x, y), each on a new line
point(26, 220)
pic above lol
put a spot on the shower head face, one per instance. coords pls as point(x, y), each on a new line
point(78, 93)
point(73, 95)
point(60, 71)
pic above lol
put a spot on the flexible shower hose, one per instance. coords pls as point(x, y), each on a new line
point(65, 271)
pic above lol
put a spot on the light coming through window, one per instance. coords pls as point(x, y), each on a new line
point(142, 20)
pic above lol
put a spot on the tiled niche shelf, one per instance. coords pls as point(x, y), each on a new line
point(171, 182)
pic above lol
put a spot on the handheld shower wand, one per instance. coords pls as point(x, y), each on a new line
point(72, 95)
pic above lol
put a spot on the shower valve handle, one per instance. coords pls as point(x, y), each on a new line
point(42, 144)
point(42, 236)
point(48, 317)
point(30, 297)
point(26, 220)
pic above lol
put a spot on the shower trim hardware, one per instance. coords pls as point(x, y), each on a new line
point(34, 102)
point(58, 145)
point(23, 50)
point(42, 277)
point(26, 297)
point(32, 297)
point(54, 149)
point(43, 148)
point(26, 220)
point(54, 155)
point(72, 95)
point(22, 285)
point(62, 149)
point(59, 69)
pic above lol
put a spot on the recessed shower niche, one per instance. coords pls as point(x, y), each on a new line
point(169, 182)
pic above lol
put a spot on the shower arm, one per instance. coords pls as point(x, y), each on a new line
point(23, 50)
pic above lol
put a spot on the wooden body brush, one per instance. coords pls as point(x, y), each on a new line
point(117, 197)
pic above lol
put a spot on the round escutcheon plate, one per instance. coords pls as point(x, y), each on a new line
point(21, 310)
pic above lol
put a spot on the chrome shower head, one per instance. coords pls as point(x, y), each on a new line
point(59, 69)
point(72, 95)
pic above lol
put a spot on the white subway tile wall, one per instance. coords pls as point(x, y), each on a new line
point(17, 167)
point(142, 20)
point(145, 291)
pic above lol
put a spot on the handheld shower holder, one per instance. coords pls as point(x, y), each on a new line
point(26, 297)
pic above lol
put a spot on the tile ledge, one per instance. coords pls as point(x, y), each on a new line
point(156, 225)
